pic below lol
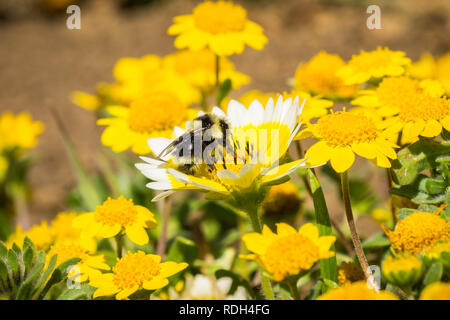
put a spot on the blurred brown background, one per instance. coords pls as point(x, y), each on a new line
point(41, 61)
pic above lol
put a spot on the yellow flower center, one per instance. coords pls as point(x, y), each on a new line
point(116, 211)
point(401, 263)
point(135, 268)
point(219, 17)
point(66, 251)
point(290, 254)
point(342, 129)
point(418, 231)
point(424, 107)
point(160, 111)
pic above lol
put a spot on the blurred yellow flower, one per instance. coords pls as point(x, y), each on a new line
point(357, 291)
point(373, 64)
point(140, 77)
point(220, 26)
point(436, 69)
point(281, 200)
point(85, 100)
point(287, 252)
point(403, 270)
point(349, 272)
point(343, 134)
point(318, 76)
point(148, 117)
point(199, 69)
point(19, 131)
point(61, 229)
point(4, 164)
point(89, 266)
point(436, 291)
point(381, 215)
point(133, 272)
point(40, 234)
point(418, 231)
point(115, 216)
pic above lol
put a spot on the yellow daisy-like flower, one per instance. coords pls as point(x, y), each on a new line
point(115, 216)
point(349, 272)
point(288, 252)
point(199, 69)
point(153, 116)
point(89, 266)
point(343, 134)
point(86, 100)
point(418, 231)
point(318, 76)
point(62, 230)
point(436, 69)
point(19, 131)
point(281, 200)
point(373, 64)
point(40, 234)
point(261, 135)
point(133, 272)
point(220, 26)
point(403, 270)
point(357, 291)
point(436, 291)
point(408, 106)
point(435, 251)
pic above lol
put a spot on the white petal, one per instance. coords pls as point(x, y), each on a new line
point(178, 131)
point(151, 161)
point(157, 145)
point(159, 185)
point(218, 112)
point(163, 195)
point(227, 174)
point(156, 174)
point(255, 113)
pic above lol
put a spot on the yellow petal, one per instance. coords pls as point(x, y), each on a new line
point(342, 159)
point(325, 243)
point(283, 229)
point(107, 231)
point(446, 123)
point(318, 153)
point(125, 293)
point(432, 129)
point(385, 148)
point(137, 234)
point(310, 231)
point(170, 268)
point(412, 129)
point(256, 242)
point(155, 283)
point(105, 291)
point(383, 161)
point(365, 150)
point(146, 216)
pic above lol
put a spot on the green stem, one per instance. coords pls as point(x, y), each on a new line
point(328, 267)
point(355, 238)
point(162, 241)
point(256, 224)
point(119, 245)
point(293, 289)
point(390, 183)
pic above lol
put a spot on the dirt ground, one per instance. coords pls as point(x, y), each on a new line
point(41, 61)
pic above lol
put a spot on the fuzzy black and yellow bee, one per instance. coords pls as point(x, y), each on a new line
point(207, 140)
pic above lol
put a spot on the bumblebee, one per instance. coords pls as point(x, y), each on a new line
point(208, 132)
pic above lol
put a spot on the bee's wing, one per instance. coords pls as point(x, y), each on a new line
point(171, 147)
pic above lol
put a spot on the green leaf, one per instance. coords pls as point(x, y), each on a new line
point(84, 292)
point(28, 257)
point(330, 284)
point(46, 274)
point(3, 271)
point(27, 243)
point(328, 267)
point(182, 250)
point(376, 241)
point(3, 250)
point(434, 273)
point(416, 158)
point(224, 89)
point(13, 261)
point(24, 290)
point(59, 274)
